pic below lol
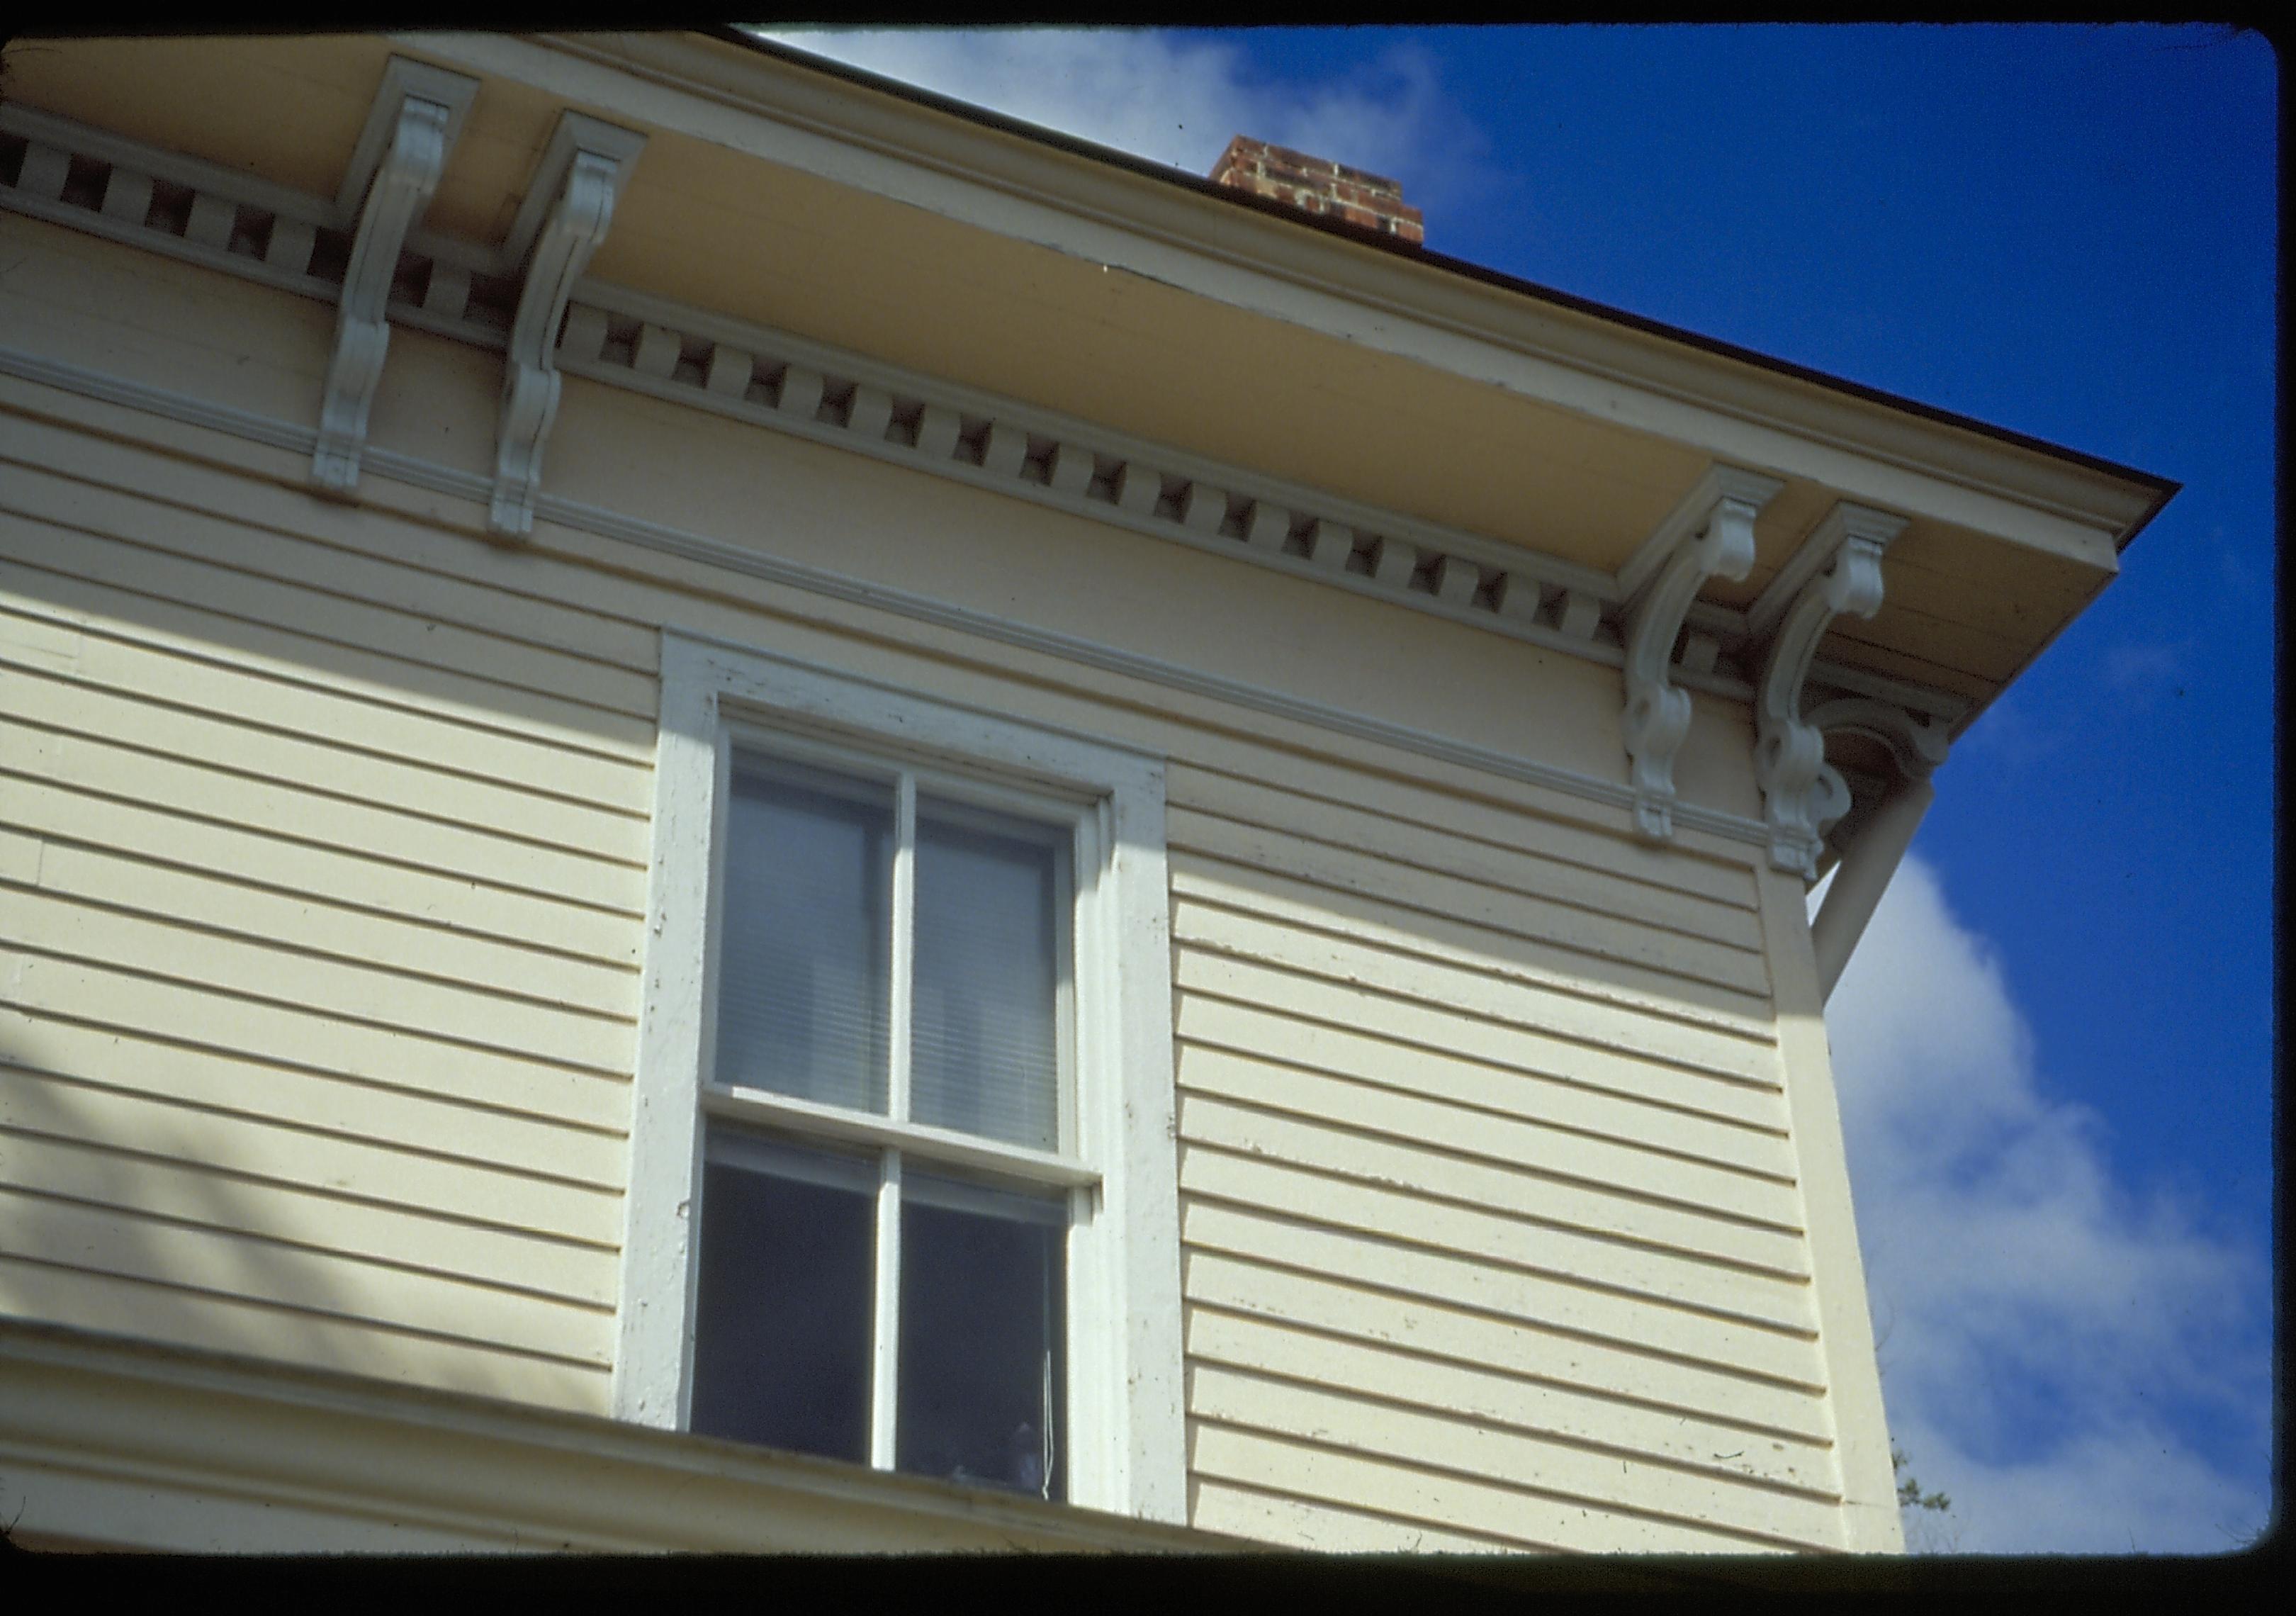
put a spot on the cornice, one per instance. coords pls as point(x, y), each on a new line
point(779, 380)
point(1414, 287)
point(1467, 578)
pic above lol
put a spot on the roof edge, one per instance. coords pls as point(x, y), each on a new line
point(2161, 490)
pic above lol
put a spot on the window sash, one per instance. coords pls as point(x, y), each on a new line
point(1011, 1349)
point(895, 1134)
point(763, 1108)
point(958, 791)
point(954, 793)
point(745, 1145)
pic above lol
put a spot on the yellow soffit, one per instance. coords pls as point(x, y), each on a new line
point(1079, 283)
point(1109, 215)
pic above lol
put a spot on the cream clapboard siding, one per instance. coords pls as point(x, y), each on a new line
point(1488, 1227)
point(323, 863)
point(321, 971)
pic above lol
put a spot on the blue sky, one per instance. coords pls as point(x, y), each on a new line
point(2054, 1046)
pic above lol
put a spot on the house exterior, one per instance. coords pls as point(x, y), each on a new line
point(740, 812)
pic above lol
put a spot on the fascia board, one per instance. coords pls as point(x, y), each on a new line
point(1602, 365)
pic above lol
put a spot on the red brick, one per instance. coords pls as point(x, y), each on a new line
point(1318, 186)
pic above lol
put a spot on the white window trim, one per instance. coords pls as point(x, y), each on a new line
point(1127, 1445)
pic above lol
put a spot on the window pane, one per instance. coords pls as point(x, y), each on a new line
point(803, 982)
point(985, 1054)
point(982, 1372)
point(782, 1320)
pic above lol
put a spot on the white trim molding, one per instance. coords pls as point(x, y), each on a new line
point(568, 208)
point(792, 384)
point(393, 171)
point(1803, 794)
point(1127, 1452)
point(1656, 716)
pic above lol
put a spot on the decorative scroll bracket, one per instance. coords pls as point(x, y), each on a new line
point(1917, 744)
point(393, 170)
point(1657, 714)
point(1803, 794)
point(564, 218)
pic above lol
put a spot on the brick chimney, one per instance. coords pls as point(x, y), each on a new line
point(1316, 184)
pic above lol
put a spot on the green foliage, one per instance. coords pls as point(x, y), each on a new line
point(1930, 1529)
point(1910, 1495)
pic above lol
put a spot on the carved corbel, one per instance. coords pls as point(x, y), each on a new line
point(1657, 714)
point(560, 224)
point(1917, 743)
point(1803, 794)
point(394, 169)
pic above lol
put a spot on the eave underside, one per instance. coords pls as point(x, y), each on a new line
point(737, 217)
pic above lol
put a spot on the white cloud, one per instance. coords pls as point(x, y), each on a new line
point(1177, 103)
point(2050, 1339)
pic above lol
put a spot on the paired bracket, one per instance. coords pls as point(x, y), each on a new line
point(1803, 794)
point(1657, 714)
point(394, 169)
point(564, 217)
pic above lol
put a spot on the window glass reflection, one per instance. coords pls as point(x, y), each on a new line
point(782, 1319)
point(804, 975)
point(986, 1052)
point(982, 1376)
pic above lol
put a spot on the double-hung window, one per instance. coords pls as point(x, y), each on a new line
point(902, 1164)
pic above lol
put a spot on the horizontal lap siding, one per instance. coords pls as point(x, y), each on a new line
point(1489, 1189)
point(591, 900)
point(325, 870)
point(1419, 1488)
point(318, 1194)
point(1550, 860)
point(389, 918)
point(550, 1138)
point(1400, 1237)
point(1602, 940)
point(322, 961)
point(1219, 1504)
point(252, 1314)
point(131, 1244)
point(1471, 1030)
point(1364, 1401)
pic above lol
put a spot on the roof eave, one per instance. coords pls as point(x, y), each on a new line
point(1418, 259)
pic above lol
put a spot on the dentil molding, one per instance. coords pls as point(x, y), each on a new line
point(527, 297)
